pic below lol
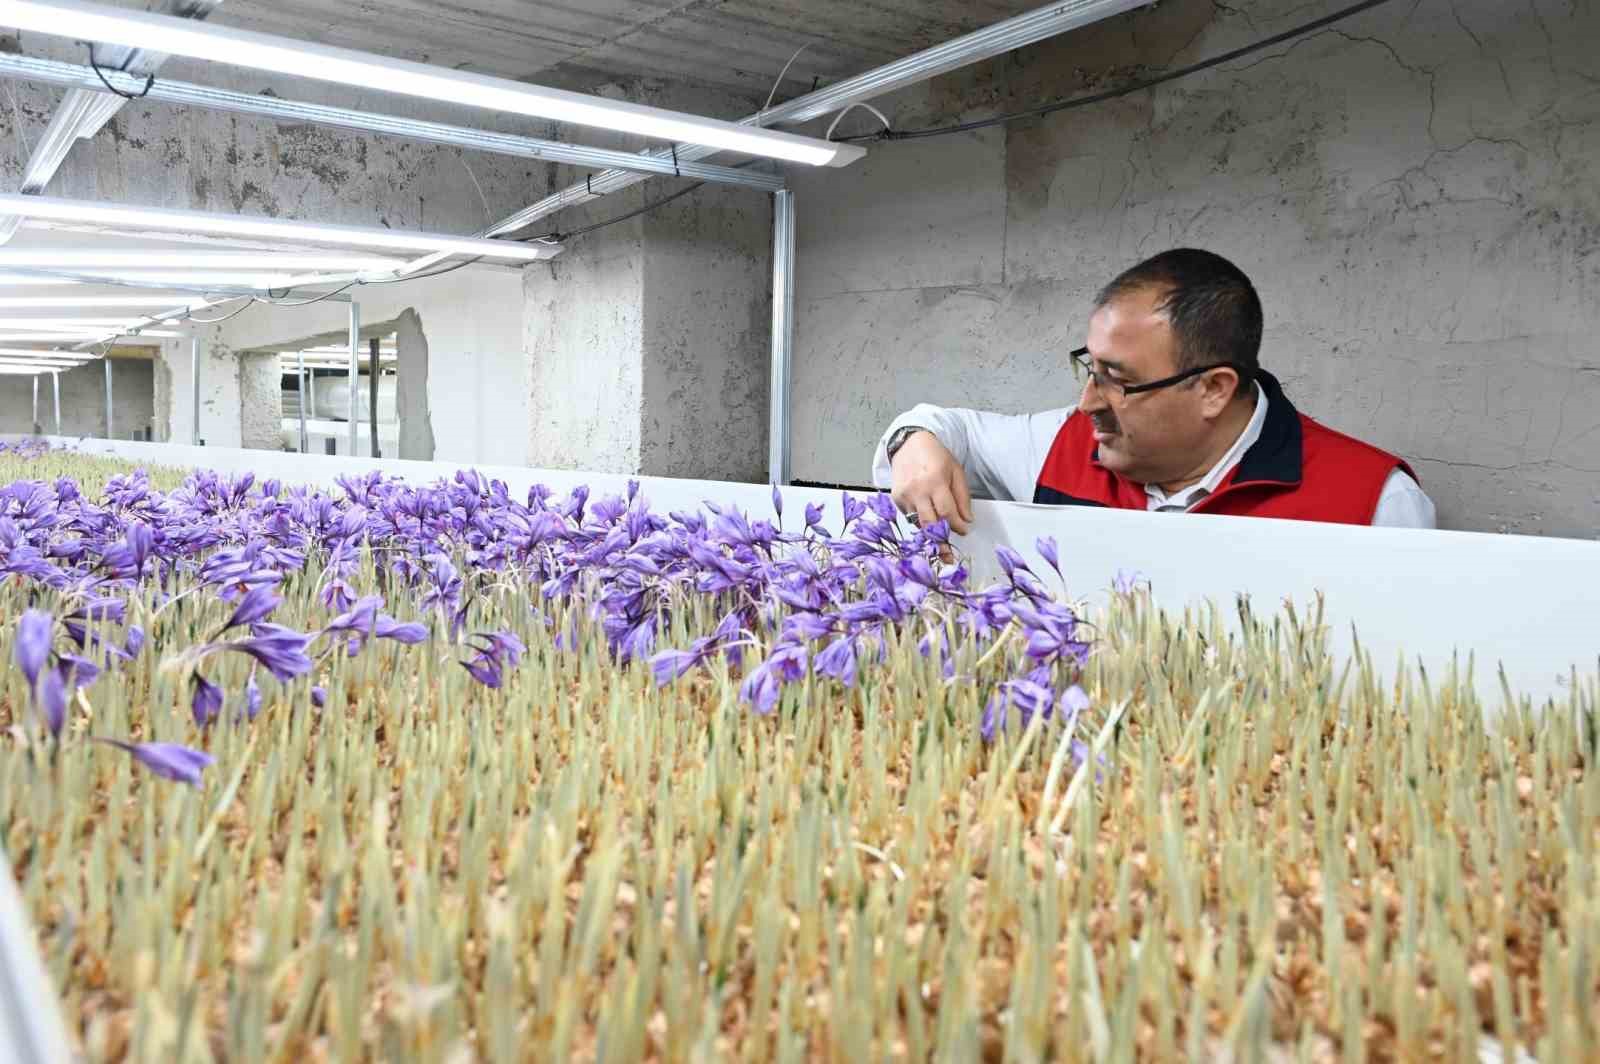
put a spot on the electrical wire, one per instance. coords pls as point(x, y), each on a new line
point(1124, 90)
point(149, 81)
point(562, 238)
point(782, 73)
point(888, 127)
point(249, 302)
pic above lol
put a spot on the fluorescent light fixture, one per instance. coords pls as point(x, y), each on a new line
point(96, 302)
point(83, 335)
point(68, 324)
point(39, 352)
point(301, 59)
point(22, 371)
point(190, 261)
point(152, 278)
point(39, 363)
point(159, 219)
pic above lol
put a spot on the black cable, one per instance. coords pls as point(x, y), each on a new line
point(149, 81)
point(1124, 90)
point(249, 302)
point(648, 207)
point(273, 301)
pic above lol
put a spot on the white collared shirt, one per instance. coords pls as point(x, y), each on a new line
point(1158, 501)
point(1003, 455)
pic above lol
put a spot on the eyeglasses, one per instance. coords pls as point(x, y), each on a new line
point(1081, 361)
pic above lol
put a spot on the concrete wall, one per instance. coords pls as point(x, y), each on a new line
point(1412, 191)
point(83, 400)
point(647, 341)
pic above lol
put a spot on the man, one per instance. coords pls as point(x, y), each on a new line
point(1176, 415)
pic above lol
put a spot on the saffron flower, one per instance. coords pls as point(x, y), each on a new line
point(168, 760)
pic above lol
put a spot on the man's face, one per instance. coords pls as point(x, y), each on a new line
point(1151, 437)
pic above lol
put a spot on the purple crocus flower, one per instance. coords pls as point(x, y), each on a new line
point(838, 660)
point(1046, 546)
point(281, 650)
point(319, 696)
point(254, 605)
point(51, 693)
point(406, 632)
point(484, 669)
point(252, 698)
point(206, 701)
point(1010, 561)
point(34, 635)
point(167, 760)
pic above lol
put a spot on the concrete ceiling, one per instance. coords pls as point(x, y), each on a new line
point(734, 44)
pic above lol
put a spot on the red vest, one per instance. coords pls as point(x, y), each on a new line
point(1298, 470)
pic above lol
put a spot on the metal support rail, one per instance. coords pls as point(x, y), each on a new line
point(355, 376)
point(778, 454)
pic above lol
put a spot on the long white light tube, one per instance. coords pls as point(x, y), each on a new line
point(36, 363)
point(301, 59)
point(68, 324)
point(95, 302)
point(35, 352)
point(191, 261)
point(164, 219)
point(149, 278)
point(82, 334)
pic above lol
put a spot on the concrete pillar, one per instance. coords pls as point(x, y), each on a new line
point(647, 342)
point(220, 424)
point(260, 401)
point(411, 388)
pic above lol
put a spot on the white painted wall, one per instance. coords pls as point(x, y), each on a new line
point(477, 391)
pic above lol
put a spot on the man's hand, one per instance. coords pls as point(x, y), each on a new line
point(928, 481)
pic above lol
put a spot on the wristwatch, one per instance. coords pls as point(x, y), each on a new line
point(901, 435)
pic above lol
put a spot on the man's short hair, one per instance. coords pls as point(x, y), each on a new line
point(1212, 306)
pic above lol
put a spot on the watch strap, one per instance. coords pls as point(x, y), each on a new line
point(900, 436)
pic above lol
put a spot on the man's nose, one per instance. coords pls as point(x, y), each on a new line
point(1091, 401)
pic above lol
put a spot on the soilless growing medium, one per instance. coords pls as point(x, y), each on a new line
point(409, 772)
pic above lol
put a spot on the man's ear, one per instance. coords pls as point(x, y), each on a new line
point(1218, 388)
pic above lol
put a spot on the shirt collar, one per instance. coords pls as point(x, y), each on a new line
point(1187, 497)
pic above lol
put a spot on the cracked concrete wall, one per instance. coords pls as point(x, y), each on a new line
point(707, 337)
point(1412, 191)
point(83, 400)
point(583, 334)
point(647, 343)
point(647, 340)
